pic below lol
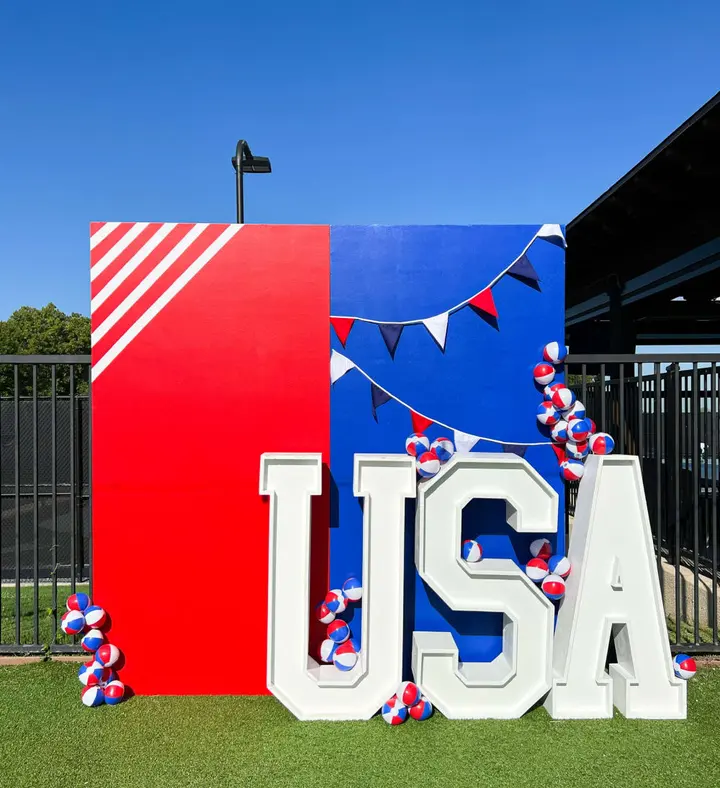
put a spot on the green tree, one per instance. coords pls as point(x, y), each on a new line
point(40, 332)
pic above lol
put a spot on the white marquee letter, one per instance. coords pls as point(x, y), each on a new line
point(613, 589)
point(509, 685)
point(321, 692)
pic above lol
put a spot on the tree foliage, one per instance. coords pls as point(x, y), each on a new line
point(46, 331)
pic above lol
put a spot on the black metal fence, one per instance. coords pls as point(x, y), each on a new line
point(45, 497)
point(663, 408)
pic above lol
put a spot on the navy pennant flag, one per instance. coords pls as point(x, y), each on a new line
point(391, 335)
point(379, 397)
point(513, 448)
point(523, 269)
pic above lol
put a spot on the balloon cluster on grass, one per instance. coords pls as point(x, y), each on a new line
point(547, 569)
point(100, 682)
point(407, 701)
point(339, 647)
point(569, 425)
point(429, 457)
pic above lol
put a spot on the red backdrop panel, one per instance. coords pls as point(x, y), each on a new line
point(234, 364)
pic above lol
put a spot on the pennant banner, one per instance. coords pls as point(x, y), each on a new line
point(464, 441)
point(481, 302)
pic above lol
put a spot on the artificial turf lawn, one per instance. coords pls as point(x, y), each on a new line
point(47, 739)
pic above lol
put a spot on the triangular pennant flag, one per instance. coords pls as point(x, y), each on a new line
point(559, 453)
point(514, 448)
point(523, 269)
point(339, 365)
point(420, 423)
point(464, 442)
point(379, 397)
point(391, 334)
point(484, 302)
point(552, 234)
point(342, 326)
point(437, 326)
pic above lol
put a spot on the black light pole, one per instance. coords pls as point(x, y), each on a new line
point(243, 161)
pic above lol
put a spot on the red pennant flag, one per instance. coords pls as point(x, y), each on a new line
point(342, 326)
point(559, 453)
point(420, 423)
point(484, 302)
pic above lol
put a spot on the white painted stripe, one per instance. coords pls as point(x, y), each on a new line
point(146, 283)
point(140, 256)
point(99, 367)
point(103, 233)
point(119, 247)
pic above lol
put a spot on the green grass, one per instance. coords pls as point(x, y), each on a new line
point(687, 632)
point(45, 617)
point(47, 739)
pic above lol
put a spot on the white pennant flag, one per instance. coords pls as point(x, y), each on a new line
point(464, 442)
point(437, 326)
point(553, 234)
point(339, 365)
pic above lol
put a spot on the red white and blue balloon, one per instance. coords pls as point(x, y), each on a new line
point(421, 710)
point(107, 655)
point(336, 601)
point(345, 657)
point(576, 412)
point(562, 398)
point(417, 444)
point(537, 570)
point(95, 617)
point(394, 711)
point(472, 550)
point(114, 692)
point(571, 470)
point(444, 449)
point(547, 414)
point(544, 373)
point(684, 666)
point(555, 352)
point(92, 640)
point(73, 622)
point(352, 589)
point(323, 613)
point(601, 443)
point(78, 601)
point(553, 587)
point(577, 451)
point(408, 693)
point(338, 631)
point(327, 650)
point(541, 548)
point(428, 465)
point(559, 565)
point(559, 432)
point(93, 696)
point(579, 430)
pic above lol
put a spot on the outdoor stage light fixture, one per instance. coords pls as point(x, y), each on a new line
point(243, 161)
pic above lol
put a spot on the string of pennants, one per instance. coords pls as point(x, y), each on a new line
point(482, 302)
point(340, 365)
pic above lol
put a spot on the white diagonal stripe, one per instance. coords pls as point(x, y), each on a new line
point(164, 299)
point(139, 256)
point(103, 233)
point(146, 283)
point(119, 247)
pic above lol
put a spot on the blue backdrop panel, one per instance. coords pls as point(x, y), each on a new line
point(481, 384)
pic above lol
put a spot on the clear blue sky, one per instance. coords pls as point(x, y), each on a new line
point(389, 112)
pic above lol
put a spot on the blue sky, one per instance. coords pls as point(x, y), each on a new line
point(388, 112)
